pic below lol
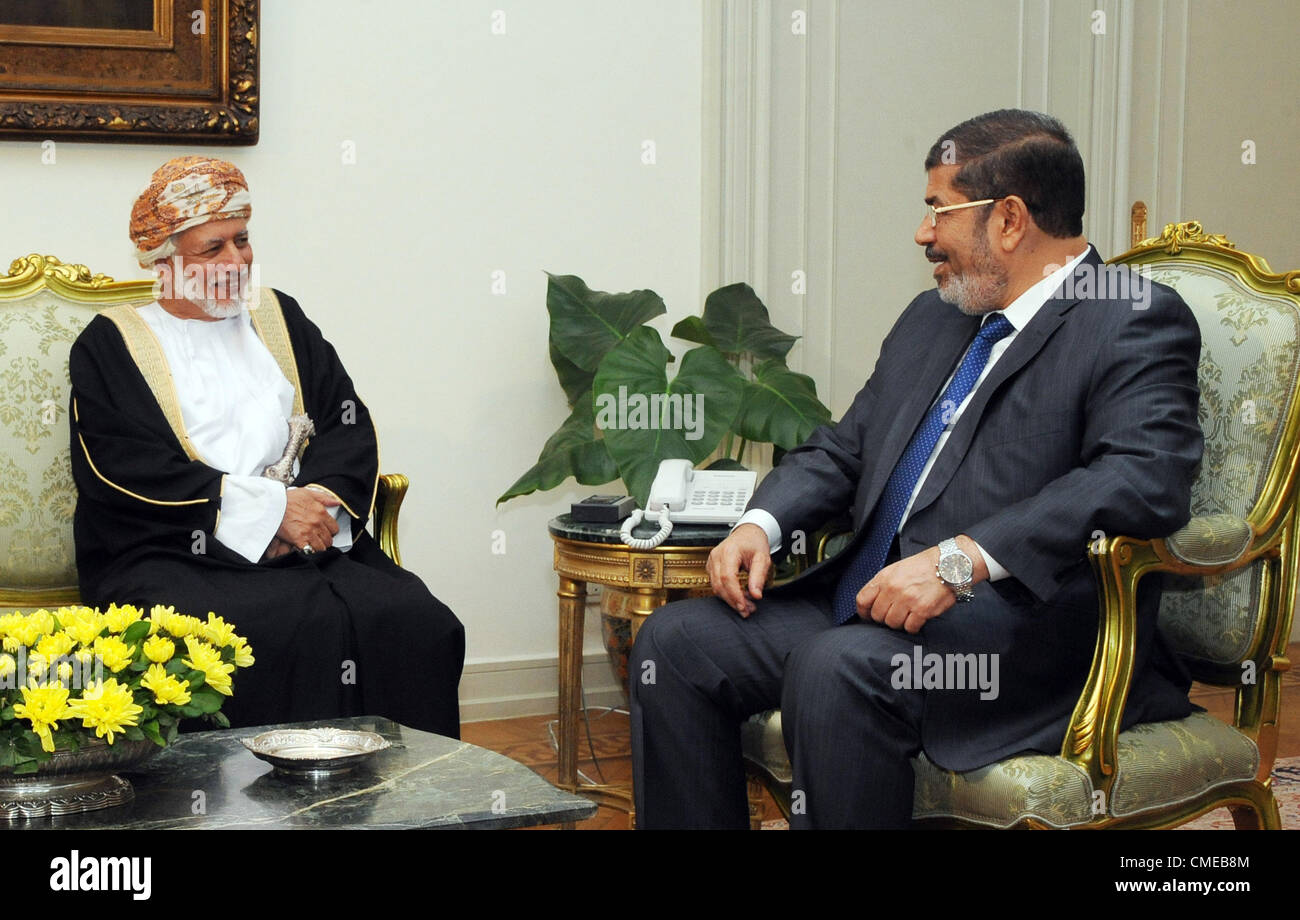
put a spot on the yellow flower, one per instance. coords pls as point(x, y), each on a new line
point(165, 687)
point(37, 665)
point(44, 707)
point(55, 645)
point(119, 618)
point(217, 631)
point(243, 652)
point(8, 667)
point(82, 624)
point(158, 617)
point(159, 649)
point(29, 630)
point(114, 652)
point(107, 707)
point(205, 658)
point(10, 643)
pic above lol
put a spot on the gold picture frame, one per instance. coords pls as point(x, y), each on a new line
point(191, 77)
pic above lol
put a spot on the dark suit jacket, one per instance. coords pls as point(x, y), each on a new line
point(1086, 424)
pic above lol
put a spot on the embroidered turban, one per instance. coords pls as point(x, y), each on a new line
point(185, 192)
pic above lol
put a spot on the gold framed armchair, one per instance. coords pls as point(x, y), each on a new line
point(1227, 608)
point(44, 305)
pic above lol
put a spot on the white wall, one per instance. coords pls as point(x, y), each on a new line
point(475, 152)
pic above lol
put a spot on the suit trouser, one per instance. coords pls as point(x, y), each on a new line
point(698, 670)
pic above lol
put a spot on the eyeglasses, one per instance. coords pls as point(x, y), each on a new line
point(933, 213)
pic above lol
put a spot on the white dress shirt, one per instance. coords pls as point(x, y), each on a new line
point(236, 403)
point(1019, 312)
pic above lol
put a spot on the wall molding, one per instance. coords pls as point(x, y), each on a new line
point(509, 688)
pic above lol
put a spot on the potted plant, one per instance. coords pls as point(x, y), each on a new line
point(733, 389)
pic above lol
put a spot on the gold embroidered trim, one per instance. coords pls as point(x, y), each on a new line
point(268, 321)
point(316, 486)
point(76, 415)
point(147, 353)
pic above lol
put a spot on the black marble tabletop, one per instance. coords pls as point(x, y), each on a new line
point(209, 780)
point(567, 528)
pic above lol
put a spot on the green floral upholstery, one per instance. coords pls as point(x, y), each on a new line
point(37, 495)
point(1250, 364)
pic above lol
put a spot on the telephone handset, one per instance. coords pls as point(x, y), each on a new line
point(685, 495)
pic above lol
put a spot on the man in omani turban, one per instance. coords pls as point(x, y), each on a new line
point(178, 409)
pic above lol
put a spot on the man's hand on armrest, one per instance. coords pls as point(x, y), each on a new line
point(746, 547)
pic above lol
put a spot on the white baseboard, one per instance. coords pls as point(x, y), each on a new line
point(529, 687)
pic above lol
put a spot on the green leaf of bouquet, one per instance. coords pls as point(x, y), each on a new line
point(206, 700)
point(632, 374)
point(586, 324)
point(573, 450)
point(220, 719)
point(139, 666)
point(151, 732)
point(133, 733)
point(176, 666)
point(136, 632)
point(26, 767)
point(737, 321)
point(7, 714)
point(189, 710)
point(780, 406)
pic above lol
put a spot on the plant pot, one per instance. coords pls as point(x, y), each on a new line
point(74, 781)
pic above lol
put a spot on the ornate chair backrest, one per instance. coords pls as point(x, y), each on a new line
point(44, 305)
point(1250, 365)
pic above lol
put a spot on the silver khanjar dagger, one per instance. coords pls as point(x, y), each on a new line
point(301, 428)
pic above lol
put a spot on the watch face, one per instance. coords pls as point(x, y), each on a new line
point(956, 569)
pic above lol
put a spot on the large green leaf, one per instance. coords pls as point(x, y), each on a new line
point(574, 450)
point(780, 406)
point(736, 321)
point(586, 324)
point(575, 382)
point(646, 418)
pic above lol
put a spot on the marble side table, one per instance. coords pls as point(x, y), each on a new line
point(635, 583)
point(209, 780)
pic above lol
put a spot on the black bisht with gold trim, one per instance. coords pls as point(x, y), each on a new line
point(334, 634)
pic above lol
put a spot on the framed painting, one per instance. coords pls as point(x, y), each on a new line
point(129, 70)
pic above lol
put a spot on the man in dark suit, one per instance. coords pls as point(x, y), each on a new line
point(1032, 403)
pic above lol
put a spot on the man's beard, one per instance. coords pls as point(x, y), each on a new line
point(979, 289)
point(224, 307)
point(220, 309)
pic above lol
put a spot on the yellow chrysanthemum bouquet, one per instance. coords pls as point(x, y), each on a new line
point(77, 674)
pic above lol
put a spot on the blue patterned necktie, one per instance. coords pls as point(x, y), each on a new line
point(898, 491)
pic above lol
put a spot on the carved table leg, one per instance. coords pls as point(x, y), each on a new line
point(573, 604)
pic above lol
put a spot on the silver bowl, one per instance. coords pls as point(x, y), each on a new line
point(315, 753)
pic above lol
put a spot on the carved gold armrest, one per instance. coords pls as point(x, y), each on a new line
point(388, 503)
point(1208, 545)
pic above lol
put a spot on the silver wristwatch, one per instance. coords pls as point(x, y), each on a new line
point(955, 570)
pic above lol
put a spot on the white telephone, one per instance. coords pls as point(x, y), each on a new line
point(685, 495)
